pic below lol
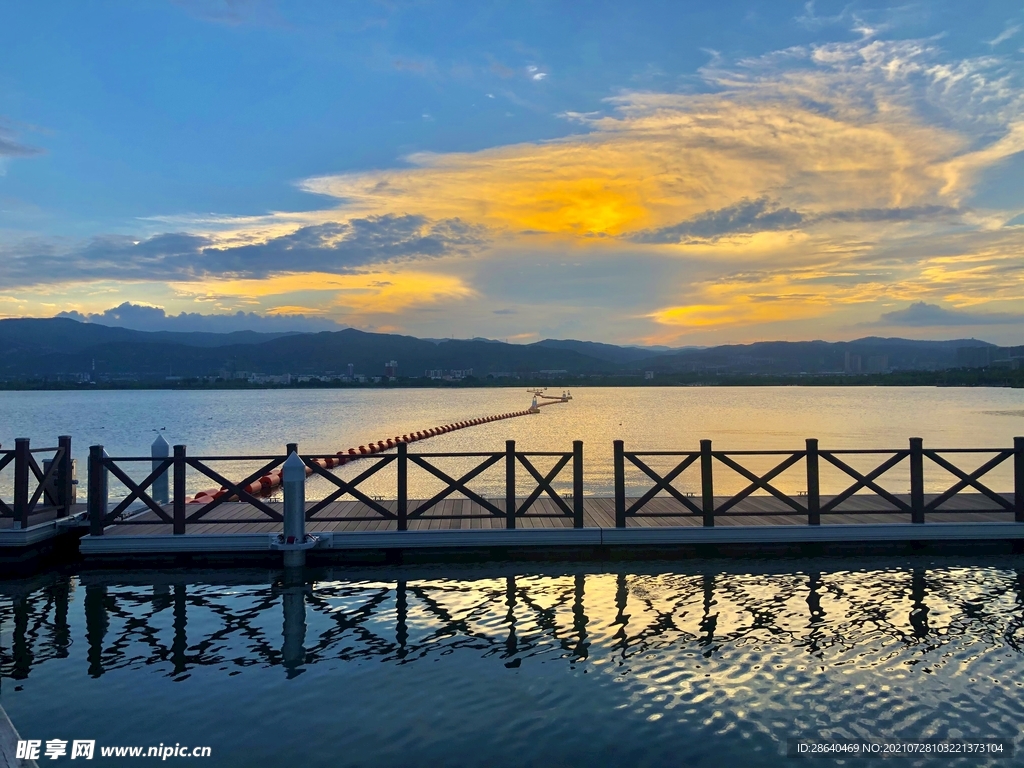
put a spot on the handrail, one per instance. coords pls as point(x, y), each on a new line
point(54, 486)
point(523, 475)
point(810, 502)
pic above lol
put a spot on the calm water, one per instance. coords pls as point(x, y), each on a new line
point(712, 664)
point(262, 421)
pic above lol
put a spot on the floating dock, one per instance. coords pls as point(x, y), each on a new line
point(463, 528)
point(541, 514)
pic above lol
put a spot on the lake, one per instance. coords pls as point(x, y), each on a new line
point(658, 664)
point(649, 418)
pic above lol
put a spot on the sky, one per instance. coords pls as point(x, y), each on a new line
point(671, 173)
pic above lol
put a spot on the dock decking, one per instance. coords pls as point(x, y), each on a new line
point(758, 519)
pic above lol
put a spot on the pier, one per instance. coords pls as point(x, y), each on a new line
point(534, 519)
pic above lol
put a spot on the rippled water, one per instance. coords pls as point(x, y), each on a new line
point(662, 418)
point(712, 664)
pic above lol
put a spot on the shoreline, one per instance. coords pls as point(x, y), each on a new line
point(1013, 379)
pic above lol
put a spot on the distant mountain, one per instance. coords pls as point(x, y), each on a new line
point(56, 347)
point(871, 353)
point(607, 352)
point(58, 334)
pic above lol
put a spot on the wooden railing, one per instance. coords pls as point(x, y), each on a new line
point(811, 503)
point(170, 507)
point(38, 491)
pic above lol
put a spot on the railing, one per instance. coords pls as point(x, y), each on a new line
point(812, 504)
point(38, 491)
point(153, 491)
point(170, 507)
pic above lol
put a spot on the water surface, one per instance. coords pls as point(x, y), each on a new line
point(643, 665)
point(655, 418)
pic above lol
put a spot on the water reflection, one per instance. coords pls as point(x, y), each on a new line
point(177, 623)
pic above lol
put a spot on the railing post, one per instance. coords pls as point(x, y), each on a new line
point(510, 484)
point(97, 494)
point(179, 490)
point(577, 483)
point(1018, 479)
point(707, 483)
point(160, 490)
point(21, 459)
point(293, 486)
point(65, 478)
point(813, 486)
point(289, 449)
point(403, 487)
point(619, 468)
point(916, 480)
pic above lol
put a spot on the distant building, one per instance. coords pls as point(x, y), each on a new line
point(983, 357)
point(455, 374)
point(852, 364)
point(351, 370)
point(391, 369)
point(878, 364)
point(648, 375)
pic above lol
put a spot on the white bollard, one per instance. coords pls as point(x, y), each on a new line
point(293, 485)
point(160, 450)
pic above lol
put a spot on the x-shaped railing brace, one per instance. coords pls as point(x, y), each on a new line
point(349, 487)
point(969, 480)
point(238, 489)
point(865, 481)
point(544, 484)
point(137, 491)
point(762, 482)
point(663, 483)
point(456, 485)
point(4, 461)
point(42, 478)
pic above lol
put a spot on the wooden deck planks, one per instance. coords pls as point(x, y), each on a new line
point(240, 517)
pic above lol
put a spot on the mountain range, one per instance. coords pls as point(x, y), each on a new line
point(56, 347)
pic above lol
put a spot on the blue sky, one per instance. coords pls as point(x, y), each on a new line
point(643, 172)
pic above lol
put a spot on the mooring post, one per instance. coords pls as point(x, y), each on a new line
point(65, 477)
point(916, 480)
point(619, 469)
point(510, 484)
point(813, 489)
point(293, 485)
point(403, 487)
point(178, 510)
point(707, 483)
point(1018, 479)
point(97, 500)
point(22, 453)
point(160, 450)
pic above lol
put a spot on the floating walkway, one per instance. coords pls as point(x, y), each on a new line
point(463, 527)
point(543, 514)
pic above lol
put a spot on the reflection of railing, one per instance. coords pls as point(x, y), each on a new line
point(145, 623)
point(813, 504)
point(52, 491)
point(169, 507)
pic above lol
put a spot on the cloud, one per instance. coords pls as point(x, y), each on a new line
point(336, 247)
point(143, 318)
point(1006, 34)
point(922, 314)
point(745, 217)
point(11, 147)
point(231, 12)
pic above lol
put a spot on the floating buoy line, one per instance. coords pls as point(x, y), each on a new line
point(265, 485)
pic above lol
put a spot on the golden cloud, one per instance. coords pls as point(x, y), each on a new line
point(359, 294)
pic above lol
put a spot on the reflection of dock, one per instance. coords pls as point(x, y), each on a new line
point(464, 525)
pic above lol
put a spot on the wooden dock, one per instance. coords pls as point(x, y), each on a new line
point(463, 524)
